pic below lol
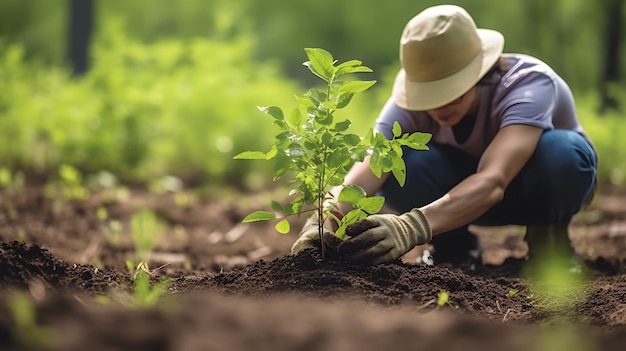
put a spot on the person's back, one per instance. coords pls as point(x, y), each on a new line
point(520, 89)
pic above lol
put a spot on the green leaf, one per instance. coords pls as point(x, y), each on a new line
point(397, 130)
point(251, 155)
point(272, 111)
point(387, 162)
point(351, 139)
point(347, 67)
point(376, 164)
point(338, 158)
point(294, 150)
point(360, 69)
point(418, 140)
point(372, 204)
point(351, 194)
point(325, 120)
point(295, 118)
point(327, 138)
point(316, 96)
point(259, 216)
point(276, 206)
point(321, 63)
point(343, 99)
point(283, 226)
point(342, 126)
point(352, 66)
point(442, 298)
point(356, 86)
point(341, 231)
point(399, 170)
point(304, 102)
point(351, 217)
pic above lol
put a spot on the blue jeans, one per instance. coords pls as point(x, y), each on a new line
point(556, 182)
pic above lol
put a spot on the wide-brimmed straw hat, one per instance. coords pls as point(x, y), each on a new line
point(443, 55)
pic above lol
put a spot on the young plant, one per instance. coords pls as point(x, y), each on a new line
point(69, 186)
point(317, 149)
point(146, 293)
point(146, 230)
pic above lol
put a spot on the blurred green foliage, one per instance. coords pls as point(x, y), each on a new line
point(173, 86)
point(184, 106)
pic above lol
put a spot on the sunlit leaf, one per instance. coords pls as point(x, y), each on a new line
point(342, 126)
point(272, 111)
point(357, 86)
point(376, 164)
point(418, 140)
point(399, 170)
point(351, 194)
point(371, 204)
point(397, 130)
point(283, 226)
point(442, 298)
point(320, 63)
point(259, 216)
point(251, 155)
point(344, 99)
point(295, 118)
point(347, 67)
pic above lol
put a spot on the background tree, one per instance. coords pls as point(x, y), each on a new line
point(80, 27)
point(613, 34)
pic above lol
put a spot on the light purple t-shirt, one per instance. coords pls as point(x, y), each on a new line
point(530, 93)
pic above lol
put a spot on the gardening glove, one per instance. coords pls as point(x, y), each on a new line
point(310, 237)
point(385, 237)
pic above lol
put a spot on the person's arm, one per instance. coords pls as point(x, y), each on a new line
point(505, 156)
point(386, 237)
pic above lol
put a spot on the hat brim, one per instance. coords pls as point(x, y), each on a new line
point(420, 96)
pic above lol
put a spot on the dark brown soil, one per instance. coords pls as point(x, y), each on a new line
point(236, 287)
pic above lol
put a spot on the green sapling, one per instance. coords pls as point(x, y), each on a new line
point(318, 150)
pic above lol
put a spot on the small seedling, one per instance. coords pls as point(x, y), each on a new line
point(146, 231)
point(69, 186)
point(144, 293)
point(318, 151)
point(442, 298)
point(512, 292)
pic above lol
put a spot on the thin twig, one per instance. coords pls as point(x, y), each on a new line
point(419, 308)
point(79, 300)
point(506, 315)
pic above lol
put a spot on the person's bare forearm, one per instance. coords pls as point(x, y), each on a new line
point(464, 203)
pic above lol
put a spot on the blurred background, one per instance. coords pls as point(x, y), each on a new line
point(153, 89)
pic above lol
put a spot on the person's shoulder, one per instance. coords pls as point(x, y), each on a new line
point(520, 66)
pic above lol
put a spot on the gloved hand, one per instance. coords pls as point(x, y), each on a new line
point(385, 237)
point(310, 237)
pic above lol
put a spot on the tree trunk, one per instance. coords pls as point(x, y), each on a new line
point(612, 49)
point(80, 26)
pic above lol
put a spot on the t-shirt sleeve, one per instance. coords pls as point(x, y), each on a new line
point(529, 100)
point(410, 121)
